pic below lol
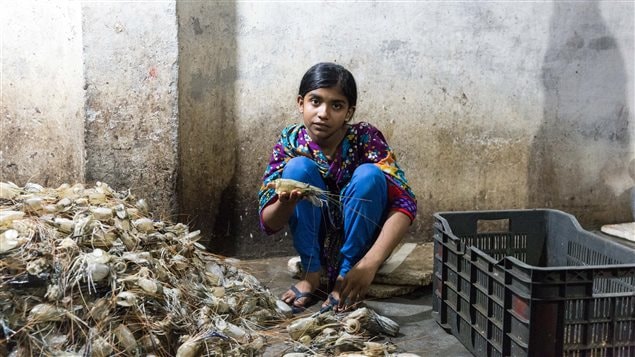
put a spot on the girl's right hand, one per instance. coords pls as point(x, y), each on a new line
point(290, 198)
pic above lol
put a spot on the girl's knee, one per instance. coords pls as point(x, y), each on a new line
point(368, 180)
point(368, 172)
point(299, 167)
point(369, 176)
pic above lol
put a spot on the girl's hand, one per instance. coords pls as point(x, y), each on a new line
point(276, 215)
point(358, 279)
point(290, 198)
point(356, 283)
point(286, 197)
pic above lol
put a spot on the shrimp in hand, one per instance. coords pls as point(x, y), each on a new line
point(314, 194)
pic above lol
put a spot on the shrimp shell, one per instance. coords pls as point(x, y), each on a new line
point(9, 190)
point(148, 285)
point(378, 349)
point(230, 330)
point(189, 348)
point(374, 322)
point(257, 344)
point(352, 326)
point(98, 271)
point(144, 225)
point(125, 338)
point(34, 203)
point(126, 299)
point(100, 347)
point(305, 339)
point(302, 326)
point(10, 240)
point(283, 308)
point(100, 309)
point(46, 312)
point(6, 217)
point(101, 213)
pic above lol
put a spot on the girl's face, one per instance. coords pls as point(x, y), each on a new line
point(325, 112)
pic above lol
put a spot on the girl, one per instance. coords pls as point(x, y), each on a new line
point(348, 240)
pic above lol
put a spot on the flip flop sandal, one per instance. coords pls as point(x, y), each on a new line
point(309, 298)
point(332, 303)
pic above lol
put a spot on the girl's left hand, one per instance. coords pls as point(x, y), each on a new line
point(356, 283)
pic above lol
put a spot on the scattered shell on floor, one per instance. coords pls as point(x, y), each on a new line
point(347, 333)
point(373, 322)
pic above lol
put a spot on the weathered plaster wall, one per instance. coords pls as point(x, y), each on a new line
point(207, 121)
point(481, 101)
point(41, 93)
point(581, 152)
point(131, 68)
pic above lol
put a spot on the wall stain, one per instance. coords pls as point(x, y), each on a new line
point(603, 43)
point(196, 25)
point(586, 120)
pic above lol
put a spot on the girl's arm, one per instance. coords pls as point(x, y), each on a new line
point(358, 279)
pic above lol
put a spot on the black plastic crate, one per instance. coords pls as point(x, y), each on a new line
point(532, 283)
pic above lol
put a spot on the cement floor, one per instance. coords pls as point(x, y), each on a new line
point(419, 333)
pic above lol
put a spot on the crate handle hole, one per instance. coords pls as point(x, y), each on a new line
point(492, 225)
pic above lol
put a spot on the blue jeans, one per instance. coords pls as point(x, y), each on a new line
point(363, 207)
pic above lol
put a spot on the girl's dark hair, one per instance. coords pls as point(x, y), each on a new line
point(329, 75)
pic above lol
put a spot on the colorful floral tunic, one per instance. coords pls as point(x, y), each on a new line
point(363, 143)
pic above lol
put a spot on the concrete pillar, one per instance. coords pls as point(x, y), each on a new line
point(208, 150)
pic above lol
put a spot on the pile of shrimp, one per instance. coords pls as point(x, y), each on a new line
point(87, 271)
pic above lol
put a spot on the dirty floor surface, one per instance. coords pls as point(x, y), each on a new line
point(419, 333)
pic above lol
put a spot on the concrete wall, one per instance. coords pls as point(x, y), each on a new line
point(130, 60)
point(487, 105)
point(41, 93)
